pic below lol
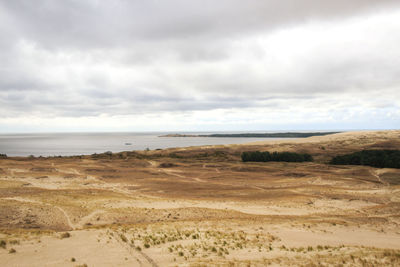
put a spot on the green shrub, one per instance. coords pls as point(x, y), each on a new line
point(374, 158)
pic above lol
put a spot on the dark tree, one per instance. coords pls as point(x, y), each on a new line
point(374, 158)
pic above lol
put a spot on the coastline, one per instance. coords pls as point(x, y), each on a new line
point(278, 145)
point(67, 144)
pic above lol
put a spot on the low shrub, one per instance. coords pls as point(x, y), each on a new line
point(65, 235)
point(167, 165)
point(258, 156)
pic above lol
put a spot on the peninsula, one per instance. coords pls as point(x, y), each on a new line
point(256, 135)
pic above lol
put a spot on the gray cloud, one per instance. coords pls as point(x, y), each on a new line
point(90, 58)
point(97, 23)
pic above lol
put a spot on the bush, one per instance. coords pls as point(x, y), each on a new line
point(65, 235)
point(275, 156)
point(123, 238)
point(167, 165)
point(3, 156)
point(374, 158)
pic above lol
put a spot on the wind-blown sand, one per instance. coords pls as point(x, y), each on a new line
point(201, 206)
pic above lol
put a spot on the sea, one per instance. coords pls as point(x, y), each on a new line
point(69, 144)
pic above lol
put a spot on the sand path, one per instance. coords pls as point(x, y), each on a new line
point(142, 258)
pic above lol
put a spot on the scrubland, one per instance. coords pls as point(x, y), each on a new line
point(203, 206)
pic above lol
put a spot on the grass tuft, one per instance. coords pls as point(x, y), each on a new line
point(65, 235)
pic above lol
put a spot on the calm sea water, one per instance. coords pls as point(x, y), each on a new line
point(66, 144)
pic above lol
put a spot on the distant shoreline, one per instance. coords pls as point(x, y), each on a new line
point(256, 135)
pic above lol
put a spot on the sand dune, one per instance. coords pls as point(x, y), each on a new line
point(201, 206)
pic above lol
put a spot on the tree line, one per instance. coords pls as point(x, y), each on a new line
point(258, 156)
point(374, 158)
point(270, 135)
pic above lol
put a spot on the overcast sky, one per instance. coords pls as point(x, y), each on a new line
point(126, 65)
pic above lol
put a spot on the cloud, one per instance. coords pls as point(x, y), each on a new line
point(216, 63)
point(96, 23)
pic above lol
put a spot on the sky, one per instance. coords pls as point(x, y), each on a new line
point(177, 65)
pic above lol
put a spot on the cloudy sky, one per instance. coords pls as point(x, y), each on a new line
point(126, 65)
